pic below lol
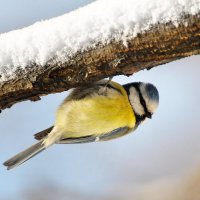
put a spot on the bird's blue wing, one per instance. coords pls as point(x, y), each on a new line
point(119, 132)
point(92, 138)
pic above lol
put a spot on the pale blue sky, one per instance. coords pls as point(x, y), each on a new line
point(164, 146)
point(21, 13)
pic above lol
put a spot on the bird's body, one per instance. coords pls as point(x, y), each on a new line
point(97, 112)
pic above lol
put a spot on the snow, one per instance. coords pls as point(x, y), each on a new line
point(99, 22)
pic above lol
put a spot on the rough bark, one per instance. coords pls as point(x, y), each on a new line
point(162, 44)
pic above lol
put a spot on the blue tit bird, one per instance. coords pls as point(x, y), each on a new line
point(99, 111)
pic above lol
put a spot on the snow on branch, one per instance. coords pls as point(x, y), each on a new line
point(102, 39)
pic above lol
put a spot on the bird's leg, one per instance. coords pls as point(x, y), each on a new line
point(109, 80)
point(105, 87)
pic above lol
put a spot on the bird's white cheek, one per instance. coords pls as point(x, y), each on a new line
point(152, 106)
point(146, 119)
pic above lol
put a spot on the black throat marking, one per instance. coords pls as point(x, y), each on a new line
point(139, 118)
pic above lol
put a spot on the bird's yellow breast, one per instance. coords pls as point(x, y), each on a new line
point(95, 115)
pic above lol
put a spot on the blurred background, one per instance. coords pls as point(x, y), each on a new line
point(159, 161)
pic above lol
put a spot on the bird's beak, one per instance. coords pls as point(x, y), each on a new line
point(149, 115)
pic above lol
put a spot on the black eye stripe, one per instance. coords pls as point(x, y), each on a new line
point(139, 118)
point(142, 101)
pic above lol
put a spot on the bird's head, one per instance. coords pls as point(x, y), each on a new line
point(144, 99)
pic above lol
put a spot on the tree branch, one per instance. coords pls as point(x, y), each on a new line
point(162, 44)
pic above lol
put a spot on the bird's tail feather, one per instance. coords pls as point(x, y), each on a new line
point(24, 155)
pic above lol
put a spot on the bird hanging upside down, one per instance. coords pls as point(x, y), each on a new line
point(97, 112)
